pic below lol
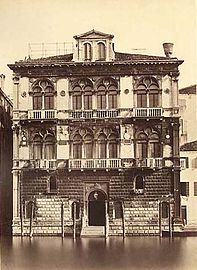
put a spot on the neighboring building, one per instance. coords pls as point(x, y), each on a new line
point(189, 182)
point(5, 158)
point(188, 114)
point(98, 131)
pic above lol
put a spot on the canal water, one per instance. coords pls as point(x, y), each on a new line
point(140, 253)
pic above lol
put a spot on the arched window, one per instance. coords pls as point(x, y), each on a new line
point(43, 95)
point(87, 51)
point(48, 98)
point(148, 93)
point(153, 96)
point(141, 97)
point(113, 146)
point(102, 146)
point(76, 206)
point(37, 147)
point(77, 147)
point(88, 146)
point(101, 51)
point(52, 184)
point(37, 98)
point(154, 146)
point(142, 146)
point(139, 182)
point(112, 97)
point(101, 97)
point(77, 99)
point(88, 98)
point(49, 147)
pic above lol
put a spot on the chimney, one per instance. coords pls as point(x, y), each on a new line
point(168, 49)
point(2, 80)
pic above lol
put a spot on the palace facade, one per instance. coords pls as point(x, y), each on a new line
point(96, 141)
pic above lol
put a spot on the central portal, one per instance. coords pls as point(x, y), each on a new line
point(96, 208)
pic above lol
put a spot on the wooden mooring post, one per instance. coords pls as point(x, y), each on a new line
point(74, 219)
point(31, 220)
point(123, 220)
point(21, 217)
point(62, 219)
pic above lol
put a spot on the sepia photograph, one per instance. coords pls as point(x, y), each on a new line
point(98, 135)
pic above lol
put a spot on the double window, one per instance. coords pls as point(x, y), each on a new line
point(147, 144)
point(103, 94)
point(84, 146)
point(101, 52)
point(148, 93)
point(43, 95)
point(43, 148)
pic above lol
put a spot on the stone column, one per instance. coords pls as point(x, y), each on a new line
point(16, 193)
point(16, 92)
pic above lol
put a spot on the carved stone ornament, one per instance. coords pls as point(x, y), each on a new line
point(24, 94)
point(167, 91)
point(62, 93)
point(126, 91)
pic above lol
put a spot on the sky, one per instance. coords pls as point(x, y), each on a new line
point(136, 24)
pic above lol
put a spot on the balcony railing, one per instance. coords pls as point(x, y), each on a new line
point(147, 112)
point(94, 163)
point(43, 164)
point(144, 162)
point(87, 114)
point(41, 114)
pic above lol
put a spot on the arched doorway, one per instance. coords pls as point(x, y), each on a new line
point(96, 208)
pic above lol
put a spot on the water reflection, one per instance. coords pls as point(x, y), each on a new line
point(41, 253)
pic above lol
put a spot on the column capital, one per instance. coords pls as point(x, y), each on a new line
point(15, 78)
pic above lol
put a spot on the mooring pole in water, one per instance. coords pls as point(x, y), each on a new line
point(160, 209)
point(106, 220)
point(21, 216)
point(123, 221)
point(169, 221)
point(74, 219)
point(62, 218)
point(31, 220)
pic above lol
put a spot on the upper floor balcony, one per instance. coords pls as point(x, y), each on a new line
point(81, 164)
point(139, 113)
point(115, 163)
point(42, 114)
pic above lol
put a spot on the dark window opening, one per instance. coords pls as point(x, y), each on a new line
point(165, 209)
point(184, 188)
point(29, 209)
point(75, 205)
point(52, 184)
point(118, 210)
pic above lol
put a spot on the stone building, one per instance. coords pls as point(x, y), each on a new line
point(96, 141)
point(188, 114)
point(188, 153)
point(5, 159)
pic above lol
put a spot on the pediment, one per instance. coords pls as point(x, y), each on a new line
point(93, 34)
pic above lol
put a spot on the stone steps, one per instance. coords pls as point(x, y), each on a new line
point(93, 231)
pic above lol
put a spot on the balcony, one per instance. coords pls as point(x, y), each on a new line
point(89, 114)
point(147, 112)
point(95, 163)
point(42, 114)
point(115, 163)
point(143, 163)
point(35, 164)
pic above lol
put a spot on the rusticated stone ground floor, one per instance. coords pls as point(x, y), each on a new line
point(131, 203)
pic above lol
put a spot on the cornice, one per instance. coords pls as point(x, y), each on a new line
point(96, 69)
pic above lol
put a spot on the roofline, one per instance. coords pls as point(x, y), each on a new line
point(92, 31)
point(72, 63)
